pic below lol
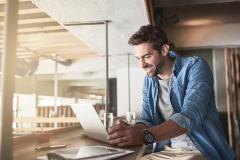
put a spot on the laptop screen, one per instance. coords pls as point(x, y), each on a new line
point(90, 121)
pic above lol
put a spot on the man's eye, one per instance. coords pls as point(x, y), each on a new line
point(146, 57)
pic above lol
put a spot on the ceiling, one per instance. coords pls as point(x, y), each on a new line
point(196, 13)
point(125, 18)
point(41, 37)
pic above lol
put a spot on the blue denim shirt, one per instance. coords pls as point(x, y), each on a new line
point(192, 97)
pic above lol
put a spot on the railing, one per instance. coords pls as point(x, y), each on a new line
point(48, 111)
point(49, 119)
point(34, 121)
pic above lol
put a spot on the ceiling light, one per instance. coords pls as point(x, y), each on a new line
point(199, 22)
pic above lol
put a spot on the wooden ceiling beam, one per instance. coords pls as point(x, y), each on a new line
point(44, 35)
point(63, 50)
point(69, 58)
point(149, 10)
point(58, 37)
point(25, 11)
point(43, 29)
point(29, 16)
point(29, 11)
point(4, 1)
point(53, 44)
point(31, 21)
point(42, 32)
point(39, 25)
point(22, 5)
point(39, 31)
point(29, 55)
point(52, 41)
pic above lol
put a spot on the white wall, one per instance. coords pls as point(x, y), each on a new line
point(136, 81)
point(219, 77)
point(26, 105)
point(205, 36)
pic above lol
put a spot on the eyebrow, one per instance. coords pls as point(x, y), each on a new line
point(147, 54)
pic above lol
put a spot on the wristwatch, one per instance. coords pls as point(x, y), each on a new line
point(148, 137)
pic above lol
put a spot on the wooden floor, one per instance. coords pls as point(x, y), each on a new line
point(24, 148)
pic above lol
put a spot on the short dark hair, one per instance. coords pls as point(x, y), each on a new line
point(149, 34)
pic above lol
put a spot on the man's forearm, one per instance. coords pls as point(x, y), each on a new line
point(166, 130)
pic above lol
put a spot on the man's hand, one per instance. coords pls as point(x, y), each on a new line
point(124, 134)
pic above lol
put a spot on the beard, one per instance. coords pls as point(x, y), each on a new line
point(153, 70)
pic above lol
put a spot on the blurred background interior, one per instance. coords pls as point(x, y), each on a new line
point(61, 56)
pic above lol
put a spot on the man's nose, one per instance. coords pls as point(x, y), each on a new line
point(142, 63)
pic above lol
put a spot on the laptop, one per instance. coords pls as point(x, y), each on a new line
point(90, 121)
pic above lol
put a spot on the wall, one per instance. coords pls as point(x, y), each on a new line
point(136, 81)
point(219, 76)
point(205, 36)
point(203, 53)
point(26, 85)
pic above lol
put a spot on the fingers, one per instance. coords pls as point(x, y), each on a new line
point(116, 141)
point(120, 126)
point(121, 134)
point(120, 141)
point(113, 129)
point(116, 135)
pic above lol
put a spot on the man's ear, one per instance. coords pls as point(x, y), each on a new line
point(165, 49)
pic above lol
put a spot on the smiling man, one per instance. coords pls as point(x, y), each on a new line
point(179, 114)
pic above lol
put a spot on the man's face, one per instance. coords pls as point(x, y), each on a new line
point(148, 58)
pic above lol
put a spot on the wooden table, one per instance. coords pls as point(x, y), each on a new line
point(24, 147)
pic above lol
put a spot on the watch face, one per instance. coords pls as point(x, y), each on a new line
point(148, 137)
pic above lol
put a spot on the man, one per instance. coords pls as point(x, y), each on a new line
point(179, 115)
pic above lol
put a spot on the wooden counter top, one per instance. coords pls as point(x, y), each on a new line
point(24, 147)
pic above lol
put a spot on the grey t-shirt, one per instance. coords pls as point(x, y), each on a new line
point(165, 107)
